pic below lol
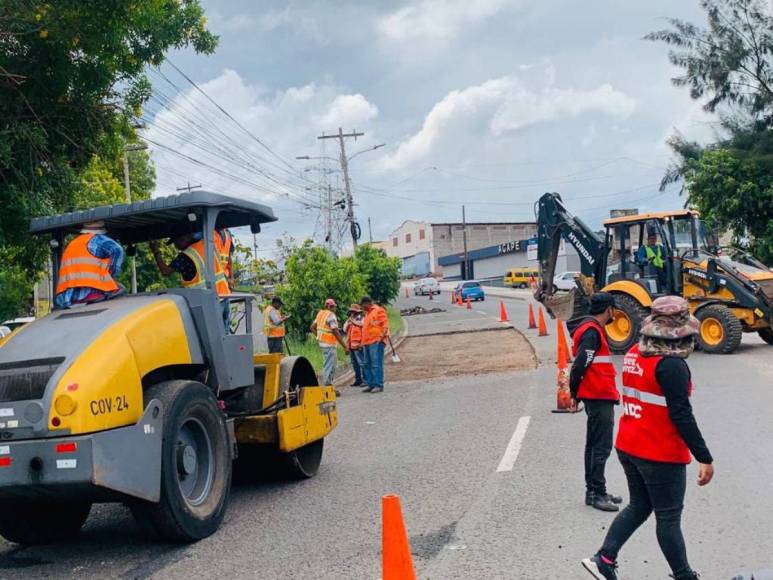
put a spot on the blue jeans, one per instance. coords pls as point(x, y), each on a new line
point(358, 365)
point(329, 362)
point(375, 356)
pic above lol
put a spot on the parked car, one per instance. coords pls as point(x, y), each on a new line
point(565, 281)
point(472, 290)
point(4, 331)
point(520, 277)
point(426, 286)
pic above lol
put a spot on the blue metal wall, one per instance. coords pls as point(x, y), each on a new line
point(418, 265)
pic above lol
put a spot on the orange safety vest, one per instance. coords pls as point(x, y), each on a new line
point(270, 329)
point(324, 332)
point(80, 268)
point(223, 249)
point(373, 326)
point(354, 335)
point(196, 253)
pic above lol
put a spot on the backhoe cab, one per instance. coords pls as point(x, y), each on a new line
point(146, 399)
point(729, 293)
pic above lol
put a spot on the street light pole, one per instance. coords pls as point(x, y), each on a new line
point(128, 191)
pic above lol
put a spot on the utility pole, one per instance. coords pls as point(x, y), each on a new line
point(128, 191)
point(370, 231)
point(466, 273)
point(329, 235)
point(188, 187)
point(345, 168)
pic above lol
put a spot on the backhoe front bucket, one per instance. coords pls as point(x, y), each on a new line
point(561, 306)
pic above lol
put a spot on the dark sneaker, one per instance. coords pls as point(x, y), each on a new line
point(589, 497)
point(338, 393)
point(356, 384)
point(614, 498)
point(367, 389)
point(600, 569)
point(377, 390)
point(691, 575)
point(602, 502)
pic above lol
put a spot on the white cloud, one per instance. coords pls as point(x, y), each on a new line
point(350, 111)
point(437, 19)
point(500, 106)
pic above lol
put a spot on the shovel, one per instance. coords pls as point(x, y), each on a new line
point(395, 356)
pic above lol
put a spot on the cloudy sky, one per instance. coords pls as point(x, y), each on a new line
point(487, 103)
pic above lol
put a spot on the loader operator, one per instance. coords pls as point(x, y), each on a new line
point(224, 246)
point(190, 264)
point(592, 380)
point(90, 264)
point(653, 254)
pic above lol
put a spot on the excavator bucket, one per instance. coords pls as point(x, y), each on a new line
point(560, 306)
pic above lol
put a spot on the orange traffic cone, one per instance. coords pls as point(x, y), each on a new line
point(503, 313)
point(562, 343)
point(543, 329)
point(469, 304)
point(563, 395)
point(396, 559)
point(459, 299)
point(532, 322)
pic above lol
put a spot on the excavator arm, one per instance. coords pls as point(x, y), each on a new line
point(554, 222)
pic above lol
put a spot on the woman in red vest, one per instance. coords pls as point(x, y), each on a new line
point(657, 434)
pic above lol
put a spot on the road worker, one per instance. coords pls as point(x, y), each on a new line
point(592, 381)
point(353, 331)
point(325, 326)
point(375, 333)
point(274, 325)
point(656, 435)
point(90, 264)
point(190, 264)
point(224, 247)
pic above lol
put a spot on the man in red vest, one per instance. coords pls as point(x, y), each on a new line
point(592, 380)
point(657, 434)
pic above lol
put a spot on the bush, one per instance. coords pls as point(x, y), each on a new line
point(311, 276)
point(380, 273)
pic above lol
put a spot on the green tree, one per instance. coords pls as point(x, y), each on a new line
point(311, 276)
point(71, 81)
point(380, 273)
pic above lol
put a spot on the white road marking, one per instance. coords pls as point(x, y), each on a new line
point(514, 447)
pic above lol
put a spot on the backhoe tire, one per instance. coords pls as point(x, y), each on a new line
point(720, 330)
point(766, 334)
point(196, 465)
point(32, 523)
point(623, 331)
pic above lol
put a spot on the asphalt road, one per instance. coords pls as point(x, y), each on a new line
point(445, 447)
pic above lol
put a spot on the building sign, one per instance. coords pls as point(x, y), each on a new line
point(531, 249)
point(509, 247)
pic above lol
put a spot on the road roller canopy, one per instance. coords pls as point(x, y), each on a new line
point(161, 217)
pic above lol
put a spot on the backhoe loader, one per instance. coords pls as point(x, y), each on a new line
point(147, 399)
point(729, 292)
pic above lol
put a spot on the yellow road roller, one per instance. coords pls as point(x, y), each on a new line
point(148, 399)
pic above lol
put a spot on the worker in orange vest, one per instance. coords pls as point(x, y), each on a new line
point(375, 333)
point(90, 263)
point(274, 325)
point(325, 326)
point(353, 331)
point(191, 265)
point(224, 247)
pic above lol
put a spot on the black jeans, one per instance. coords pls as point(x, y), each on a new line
point(652, 486)
point(275, 344)
point(598, 442)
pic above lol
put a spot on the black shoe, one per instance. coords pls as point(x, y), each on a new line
point(356, 384)
point(338, 393)
point(377, 389)
point(367, 389)
point(590, 496)
point(600, 569)
point(691, 575)
point(603, 503)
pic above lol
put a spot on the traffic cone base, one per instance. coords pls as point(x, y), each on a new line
point(396, 558)
point(469, 304)
point(543, 329)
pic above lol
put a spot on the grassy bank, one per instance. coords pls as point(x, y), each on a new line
point(308, 347)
